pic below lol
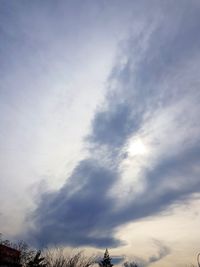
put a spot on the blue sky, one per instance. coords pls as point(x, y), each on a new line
point(100, 126)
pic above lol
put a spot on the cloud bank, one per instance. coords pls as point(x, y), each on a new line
point(153, 96)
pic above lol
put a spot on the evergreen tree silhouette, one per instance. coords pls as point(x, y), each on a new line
point(106, 262)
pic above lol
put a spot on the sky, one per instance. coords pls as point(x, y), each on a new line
point(100, 133)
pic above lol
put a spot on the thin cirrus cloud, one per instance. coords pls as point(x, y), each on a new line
point(153, 95)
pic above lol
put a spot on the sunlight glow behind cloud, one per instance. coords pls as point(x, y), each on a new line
point(137, 147)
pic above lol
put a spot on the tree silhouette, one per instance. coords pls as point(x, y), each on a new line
point(37, 261)
point(130, 264)
point(56, 257)
point(27, 254)
point(106, 262)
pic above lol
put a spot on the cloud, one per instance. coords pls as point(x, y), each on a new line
point(153, 94)
point(87, 187)
point(162, 252)
point(48, 74)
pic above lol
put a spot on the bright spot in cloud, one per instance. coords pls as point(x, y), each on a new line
point(137, 147)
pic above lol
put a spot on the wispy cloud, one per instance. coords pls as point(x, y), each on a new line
point(162, 252)
point(153, 95)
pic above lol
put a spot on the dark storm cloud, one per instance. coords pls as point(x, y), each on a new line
point(83, 212)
